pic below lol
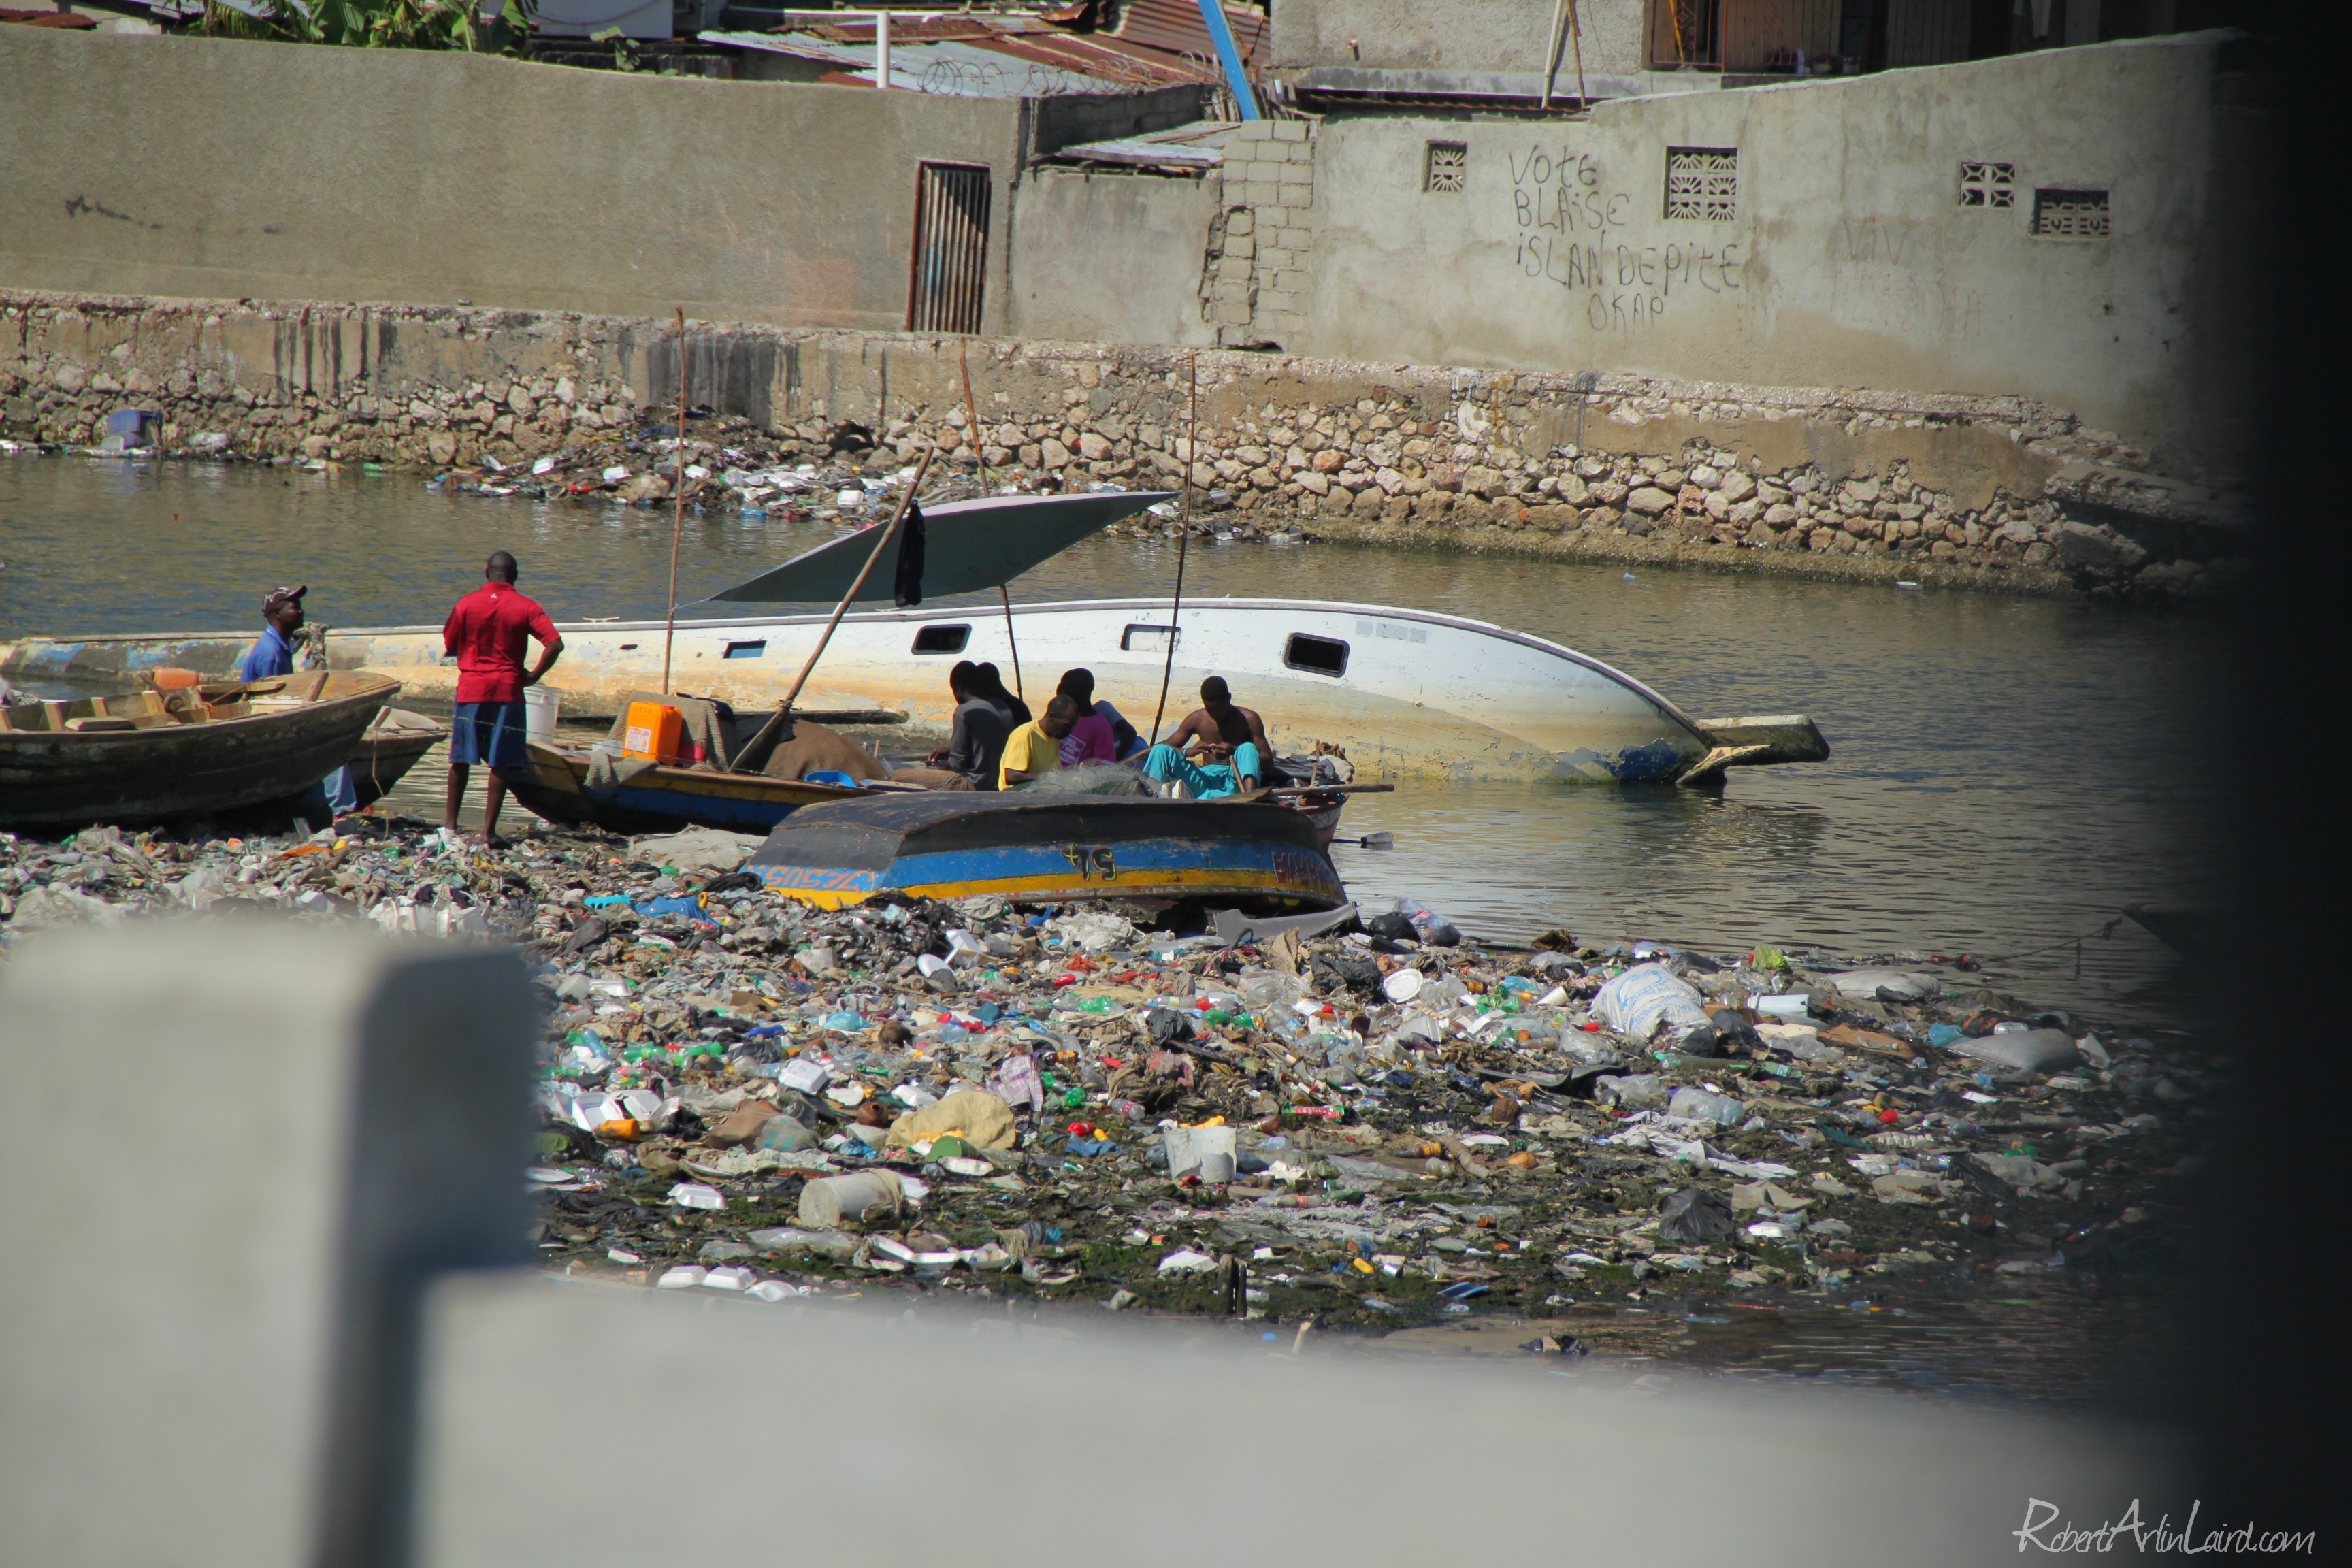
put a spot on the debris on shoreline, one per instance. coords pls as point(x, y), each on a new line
point(1371, 475)
point(1390, 1127)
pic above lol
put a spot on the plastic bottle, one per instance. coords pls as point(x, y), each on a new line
point(1632, 1090)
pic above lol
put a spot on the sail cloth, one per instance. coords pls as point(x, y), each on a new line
point(908, 580)
point(970, 546)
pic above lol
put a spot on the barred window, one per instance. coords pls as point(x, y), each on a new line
point(1448, 166)
point(1702, 183)
point(1988, 184)
point(2070, 214)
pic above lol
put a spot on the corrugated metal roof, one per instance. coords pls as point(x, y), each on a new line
point(1195, 149)
point(1174, 27)
point(975, 56)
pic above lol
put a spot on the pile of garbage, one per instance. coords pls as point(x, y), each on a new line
point(840, 473)
point(1383, 1124)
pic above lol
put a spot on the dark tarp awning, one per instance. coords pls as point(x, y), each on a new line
point(972, 545)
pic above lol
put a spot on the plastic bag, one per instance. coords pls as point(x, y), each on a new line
point(2024, 1050)
point(1646, 996)
point(1016, 1082)
point(1695, 1215)
point(1093, 930)
point(1268, 989)
point(1899, 985)
point(1698, 1105)
point(1428, 925)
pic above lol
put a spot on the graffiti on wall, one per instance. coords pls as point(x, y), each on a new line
point(1576, 231)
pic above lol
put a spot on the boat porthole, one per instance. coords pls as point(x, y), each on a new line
point(941, 639)
point(1318, 656)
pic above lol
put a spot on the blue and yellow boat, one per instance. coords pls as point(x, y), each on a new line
point(559, 788)
point(1042, 849)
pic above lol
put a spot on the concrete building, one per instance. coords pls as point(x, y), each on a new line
point(2058, 225)
point(1377, 56)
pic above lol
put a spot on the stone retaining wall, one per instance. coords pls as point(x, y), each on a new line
point(1981, 492)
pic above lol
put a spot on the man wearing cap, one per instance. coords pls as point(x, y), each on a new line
point(488, 632)
point(273, 655)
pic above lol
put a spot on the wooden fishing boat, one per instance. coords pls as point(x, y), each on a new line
point(2191, 933)
point(662, 799)
point(153, 755)
point(1047, 848)
point(395, 742)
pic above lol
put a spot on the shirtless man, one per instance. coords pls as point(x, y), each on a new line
point(1230, 751)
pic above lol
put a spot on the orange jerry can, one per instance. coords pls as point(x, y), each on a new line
point(652, 730)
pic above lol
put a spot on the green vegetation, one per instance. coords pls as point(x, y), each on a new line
point(369, 24)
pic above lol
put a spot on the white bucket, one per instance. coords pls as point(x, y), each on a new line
point(829, 1200)
point(1207, 1151)
point(540, 707)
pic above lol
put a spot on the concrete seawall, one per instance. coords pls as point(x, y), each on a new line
point(1995, 493)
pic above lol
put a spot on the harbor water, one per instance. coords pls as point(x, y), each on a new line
point(2006, 772)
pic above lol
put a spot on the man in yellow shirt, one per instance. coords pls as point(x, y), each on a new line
point(1035, 749)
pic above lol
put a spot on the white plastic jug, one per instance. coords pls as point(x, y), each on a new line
point(541, 705)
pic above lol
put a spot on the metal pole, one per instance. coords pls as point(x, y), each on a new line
point(1006, 595)
point(971, 413)
point(881, 49)
point(1229, 57)
point(677, 491)
point(1183, 543)
point(1576, 41)
point(1551, 49)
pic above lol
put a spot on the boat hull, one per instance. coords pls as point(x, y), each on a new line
point(662, 800)
point(1406, 693)
point(66, 779)
point(394, 742)
point(1049, 850)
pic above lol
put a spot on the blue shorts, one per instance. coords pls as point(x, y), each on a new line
point(488, 733)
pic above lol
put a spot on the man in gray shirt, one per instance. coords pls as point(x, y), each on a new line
point(976, 747)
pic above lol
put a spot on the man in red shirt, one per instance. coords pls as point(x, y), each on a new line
point(488, 632)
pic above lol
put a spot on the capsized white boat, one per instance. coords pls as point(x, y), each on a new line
point(1404, 693)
